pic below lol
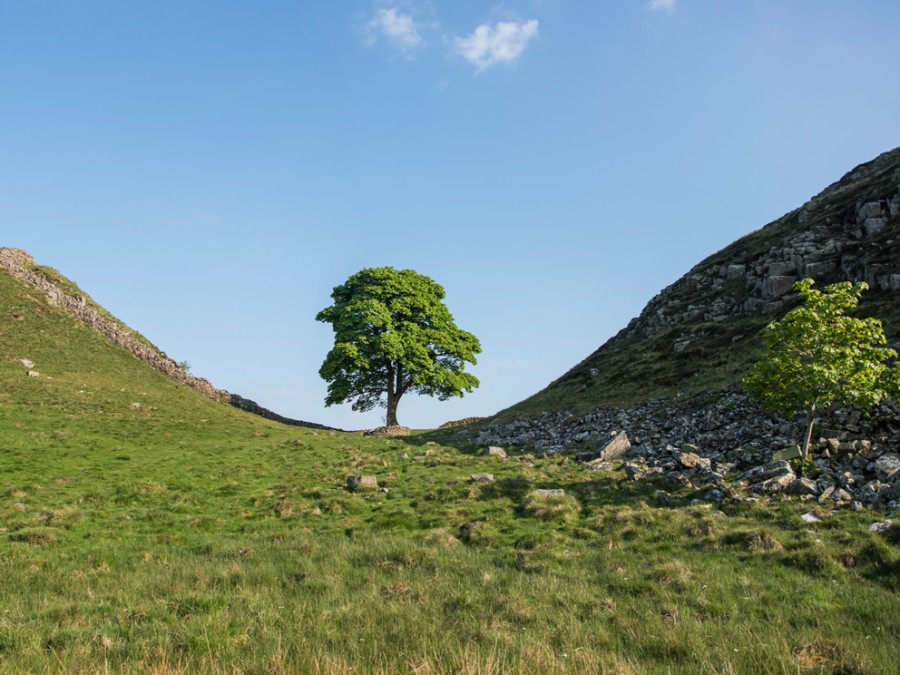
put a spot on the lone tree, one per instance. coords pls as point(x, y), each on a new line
point(815, 357)
point(393, 335)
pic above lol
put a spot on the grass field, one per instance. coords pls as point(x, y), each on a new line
point(145, 528)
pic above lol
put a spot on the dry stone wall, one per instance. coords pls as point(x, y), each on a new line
point(20, 265)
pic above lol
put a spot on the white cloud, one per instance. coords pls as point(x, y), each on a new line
point(502, 43)
point(399, 29)
point(661, 5)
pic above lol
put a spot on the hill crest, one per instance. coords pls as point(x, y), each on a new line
point(61, 292)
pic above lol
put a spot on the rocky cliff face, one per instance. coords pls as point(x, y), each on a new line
point(21, 266)
point(850, 231)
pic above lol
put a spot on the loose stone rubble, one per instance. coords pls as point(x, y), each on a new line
point(721, 445)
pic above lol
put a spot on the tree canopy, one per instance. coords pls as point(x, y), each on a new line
point(394, 335)
point(816, 357)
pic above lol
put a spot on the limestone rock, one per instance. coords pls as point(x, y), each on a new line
point(362, 482)
point(689, 460)
point(482, 477)
point(494, 451)
point(826, 494)
point(887, 467)
point(772, 477)
point(551, 493)
point(617, 447)
point(598, 465)
point(803, 486)
point(633, 471)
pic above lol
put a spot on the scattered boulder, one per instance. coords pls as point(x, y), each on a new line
point(772, 477)
point(887, 467)
point(362, 483)
point(826, 494)
point(689, 460)
point(617, 447)
point(832, 445)
point(803, 486)
point(598, 465)
point(550, 494)
point(633, 471)
point(26, 363)
point(494, 451)
point(482, 477)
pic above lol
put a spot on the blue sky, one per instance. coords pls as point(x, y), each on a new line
point(209, 170)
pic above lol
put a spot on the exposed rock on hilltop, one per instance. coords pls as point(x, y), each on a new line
point(702, 331)
point(60, 292)
point(847, 232)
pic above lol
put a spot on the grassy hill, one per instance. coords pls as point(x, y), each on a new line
point(145, 527)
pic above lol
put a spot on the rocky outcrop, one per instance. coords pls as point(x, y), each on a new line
point(460, 423)
point(20, 265)
point(850, 231)
point(391, 430)
point(718, 443)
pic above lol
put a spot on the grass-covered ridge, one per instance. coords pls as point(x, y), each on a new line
point(145, 527)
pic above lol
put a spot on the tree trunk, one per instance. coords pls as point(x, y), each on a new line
point(393, 399)
point(804, 452)
point(393, 396)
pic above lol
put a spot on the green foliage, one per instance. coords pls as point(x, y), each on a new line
point(816, 357)
point(393, 335)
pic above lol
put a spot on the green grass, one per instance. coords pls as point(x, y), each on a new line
point(182, 535)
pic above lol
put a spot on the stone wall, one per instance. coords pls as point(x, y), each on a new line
point(20, 265)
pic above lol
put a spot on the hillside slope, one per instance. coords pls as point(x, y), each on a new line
point(702, 332)
point(59, 379)
point(52, 293)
